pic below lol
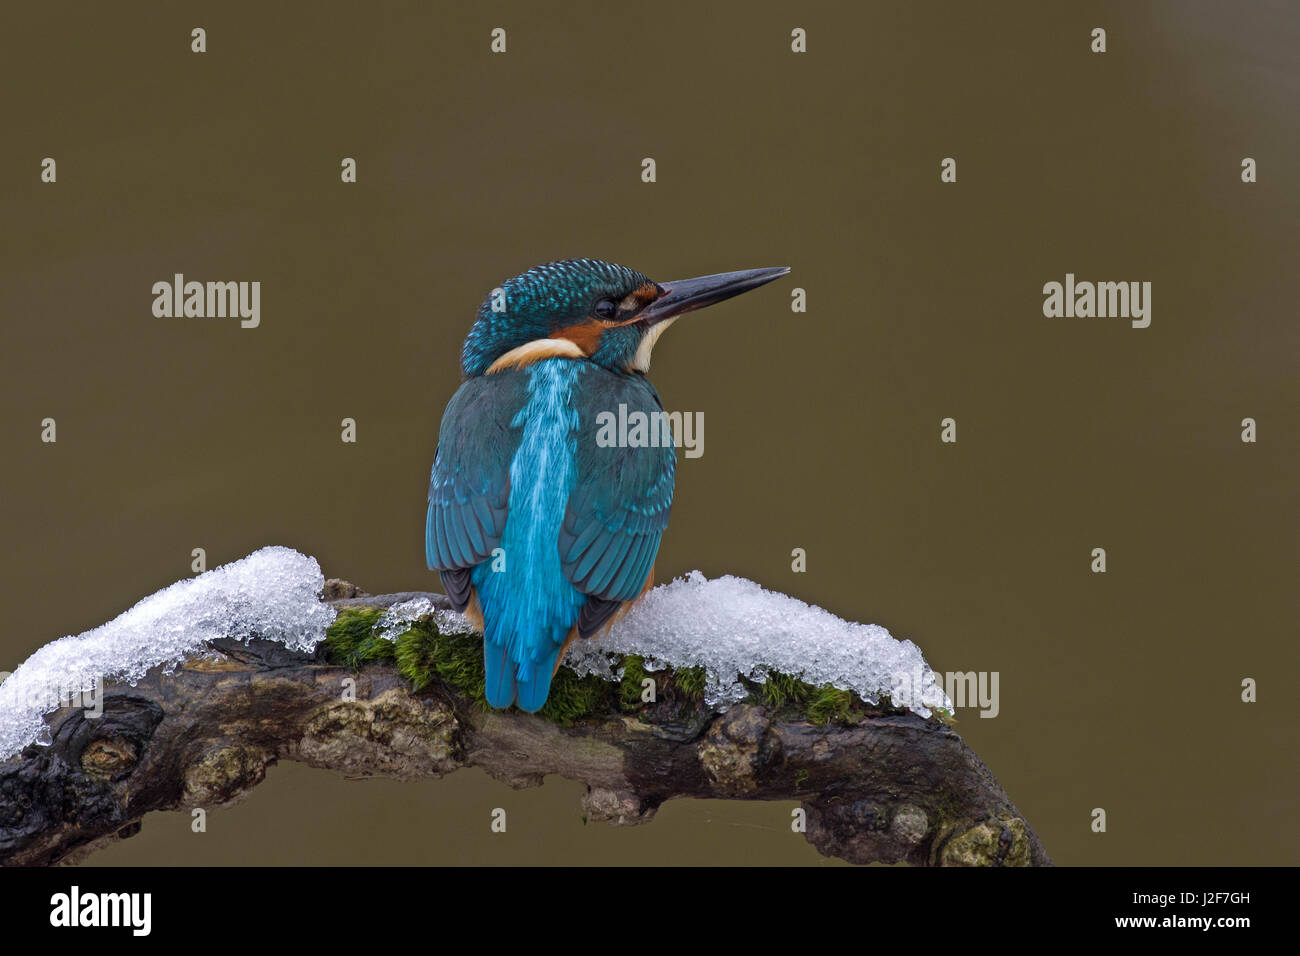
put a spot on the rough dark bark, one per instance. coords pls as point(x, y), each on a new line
point(891, 788)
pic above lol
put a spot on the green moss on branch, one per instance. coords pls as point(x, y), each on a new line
point(423, 655)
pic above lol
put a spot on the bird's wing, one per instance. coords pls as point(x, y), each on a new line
point(469, 491)
point(618, 508)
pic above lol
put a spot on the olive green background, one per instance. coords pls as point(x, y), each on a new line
point(1119, 691)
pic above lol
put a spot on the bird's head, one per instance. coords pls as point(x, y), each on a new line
point(585, 308)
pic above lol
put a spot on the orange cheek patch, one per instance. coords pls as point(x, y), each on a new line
point(648, 293)
point(585, 335)
point(639, 298)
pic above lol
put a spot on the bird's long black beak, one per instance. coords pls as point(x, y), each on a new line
point(686, 295)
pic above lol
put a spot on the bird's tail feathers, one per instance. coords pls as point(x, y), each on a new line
point(534, 682)
point(499, 675)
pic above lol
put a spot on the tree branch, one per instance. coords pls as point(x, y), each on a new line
point(886, 787)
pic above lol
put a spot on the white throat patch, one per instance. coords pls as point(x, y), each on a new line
point(641, 361)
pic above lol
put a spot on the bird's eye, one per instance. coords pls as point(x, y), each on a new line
point(606, 309)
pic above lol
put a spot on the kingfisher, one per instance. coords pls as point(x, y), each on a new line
point(541, 531)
